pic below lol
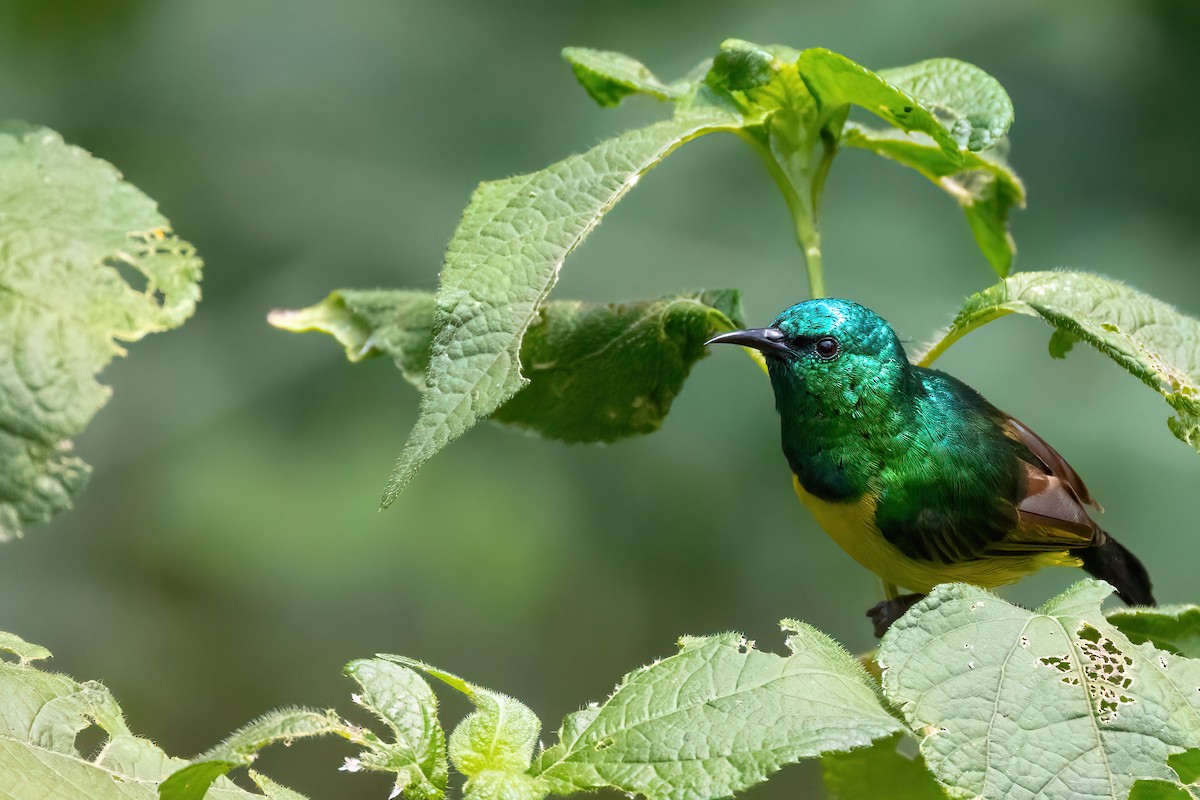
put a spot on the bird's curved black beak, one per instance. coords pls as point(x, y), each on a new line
point(766, 340)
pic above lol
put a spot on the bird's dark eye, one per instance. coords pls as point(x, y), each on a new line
point(828, 348)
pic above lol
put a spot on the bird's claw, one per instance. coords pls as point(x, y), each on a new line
point(885, 612)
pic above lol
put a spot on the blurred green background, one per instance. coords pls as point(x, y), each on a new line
point(228, 555)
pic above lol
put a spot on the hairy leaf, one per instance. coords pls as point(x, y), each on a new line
point(1172, 628)
point(718, 717)
point(493, 745)
point(596, 372)
point(85, 260)
point(609, 77)
point(1149, 338)
point(501, 265)
point(41, 714)
point(1053, 703)
point(403, 700)
point(869, 773)
point(242, 746)
point(982, 183)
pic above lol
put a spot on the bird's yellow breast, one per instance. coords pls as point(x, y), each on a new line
point(852, 526)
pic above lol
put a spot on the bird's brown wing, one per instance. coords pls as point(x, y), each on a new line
point(1051, 514)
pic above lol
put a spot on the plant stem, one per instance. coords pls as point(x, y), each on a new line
point(801, 187)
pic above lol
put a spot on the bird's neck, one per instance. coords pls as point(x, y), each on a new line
point(836, 440)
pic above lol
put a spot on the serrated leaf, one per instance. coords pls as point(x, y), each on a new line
point(1149, 338)
point(499, 736)
point(718, 717)
point(609, 77)
point(86, 261)
point(597, 372)
point(242, 746)
point(981, 183)
point(1172, 628)
point(41, 714)
point(970, 103)
point(403, 700)
point(878, 771)
point(501, 265)
point(1053, 703)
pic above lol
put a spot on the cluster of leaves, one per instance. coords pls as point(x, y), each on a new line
point(992, 700)
point(489, 344)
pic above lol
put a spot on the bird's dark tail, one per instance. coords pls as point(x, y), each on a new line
point(1113, 563)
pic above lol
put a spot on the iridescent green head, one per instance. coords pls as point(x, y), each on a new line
point(827, 349)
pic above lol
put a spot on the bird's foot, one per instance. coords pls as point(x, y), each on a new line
point(884, 613)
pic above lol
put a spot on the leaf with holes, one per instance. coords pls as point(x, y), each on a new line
point(86, 260)
point(1053, 703)
point(597, 372)
point(718, 717)
point(1172, 628)
point(1152, 340)
point(41, 714)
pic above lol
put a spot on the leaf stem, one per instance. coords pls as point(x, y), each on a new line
point(801, 187)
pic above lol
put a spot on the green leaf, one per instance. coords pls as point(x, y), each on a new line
point(1172, 628)
point(26, 652)
point(242, 746)
point(41, 714)
point(836, 81)
point(369, 323)
point(970, 103)
point(1053, 703)
point(86, 260)
point(1149, 338)
point(273, 790)
point(609, 77)
point(718, 717)
point(596, 372)
point(981, 183)
point(499, 735)
point(502, 263)
point(878, 771)
point(403, 700)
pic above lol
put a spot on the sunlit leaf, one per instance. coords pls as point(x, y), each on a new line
point(1053, 703)
point(1152, 340)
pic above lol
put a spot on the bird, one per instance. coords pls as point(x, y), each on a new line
point(913, 473)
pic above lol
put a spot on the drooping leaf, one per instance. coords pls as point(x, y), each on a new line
point(981, 183)
point(403, 700)
point(718, 717)
point(870, 773)
point(1149, 338)
point(86, 260)
point(493, 745)
point(1053, 703)
point(242, 746)
point(501, 265)
point(970, 103)
point(597, 372)
point(609, 77)
point(1172, 628)
point(41, 713)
